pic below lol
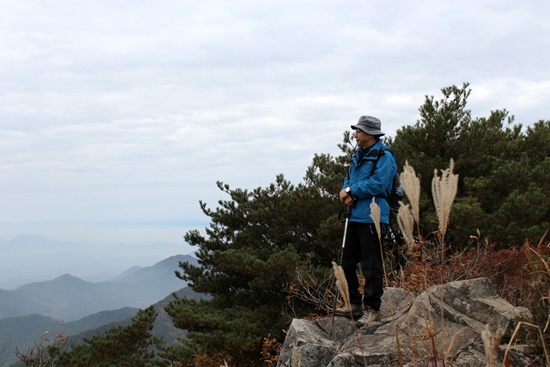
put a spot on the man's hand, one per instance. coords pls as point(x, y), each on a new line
point(346, 198)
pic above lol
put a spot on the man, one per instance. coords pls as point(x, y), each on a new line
point(362, 245)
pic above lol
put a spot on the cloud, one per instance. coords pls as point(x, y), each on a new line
point(128, 112)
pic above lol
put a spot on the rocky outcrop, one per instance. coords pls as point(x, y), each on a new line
point(445, 322)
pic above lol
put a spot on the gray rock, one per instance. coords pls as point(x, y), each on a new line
point(446, 321)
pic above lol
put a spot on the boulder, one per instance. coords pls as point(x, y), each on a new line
point(446, 322)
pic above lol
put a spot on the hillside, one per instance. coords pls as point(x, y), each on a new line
point(79, 309)
point(29, 258)
point(69, 298)
point(21, 333)
point(163, 326)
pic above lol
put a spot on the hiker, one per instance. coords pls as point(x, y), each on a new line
point(361, 245)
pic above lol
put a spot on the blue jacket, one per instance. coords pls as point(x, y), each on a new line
point(365, 186)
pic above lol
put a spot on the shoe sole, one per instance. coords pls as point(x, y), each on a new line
point(362, 323)
point(354, 315)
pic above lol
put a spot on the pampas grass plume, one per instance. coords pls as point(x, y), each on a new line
point(411, 186)
point(405, 220)
point(341, 283)
point(444, 191)
point(491, 341)
point(375, 215)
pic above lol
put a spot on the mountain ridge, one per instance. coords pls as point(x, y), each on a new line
point(33, 258)
point(21, 332)
point(69, 298)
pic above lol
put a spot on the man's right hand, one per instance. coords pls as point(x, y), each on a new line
point(346, 198)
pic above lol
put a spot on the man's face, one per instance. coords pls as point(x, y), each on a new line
point(363, 139)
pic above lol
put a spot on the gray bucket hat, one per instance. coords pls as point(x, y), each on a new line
point(369, 124)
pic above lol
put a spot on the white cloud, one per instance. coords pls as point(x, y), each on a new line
point(128, 112)
point(524, 99)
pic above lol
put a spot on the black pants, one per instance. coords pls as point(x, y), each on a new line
point(362, 247)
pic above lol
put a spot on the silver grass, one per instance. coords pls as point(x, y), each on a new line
point(444, 191)
point(405, 220)
point(411, 186)
point(491, 341)
point(295, 356)
point(342, 284)
point(375, 215)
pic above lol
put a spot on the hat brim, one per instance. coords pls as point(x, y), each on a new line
point(367, 130)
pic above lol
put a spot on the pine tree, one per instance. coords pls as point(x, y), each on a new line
point(257, 239)
point(503, 170)
point(249, 254)
point(121, 346)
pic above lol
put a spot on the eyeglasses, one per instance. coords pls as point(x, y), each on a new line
point(357, 131)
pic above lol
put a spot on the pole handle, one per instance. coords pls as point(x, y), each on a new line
point(348, 211)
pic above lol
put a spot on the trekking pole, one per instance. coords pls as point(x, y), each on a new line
point(340, 260)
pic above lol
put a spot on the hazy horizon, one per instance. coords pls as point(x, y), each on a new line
point(33, 258)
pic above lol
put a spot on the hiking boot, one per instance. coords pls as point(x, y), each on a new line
point(370, 315)
point(356, 311)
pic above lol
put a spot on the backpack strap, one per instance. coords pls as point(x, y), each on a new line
point(381, 152)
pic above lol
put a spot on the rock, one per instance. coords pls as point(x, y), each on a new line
point(304, 345)
point(446, 321)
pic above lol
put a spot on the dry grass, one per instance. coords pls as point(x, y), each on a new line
point(375, 215)
point(411, 186)
point(444, 191)
point(491, 342)
point(342, 284)
point(434, 270)
point(405, 220)
point(514, 335)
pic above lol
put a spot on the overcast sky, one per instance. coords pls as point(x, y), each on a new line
point(117, 117)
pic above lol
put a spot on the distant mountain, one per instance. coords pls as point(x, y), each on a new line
point(70, 298)
point(21, 333)
point(159, 272)
point(127, 273)
point(163, 326)
point(29, 258)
